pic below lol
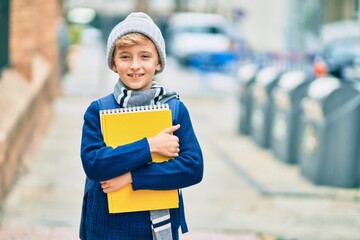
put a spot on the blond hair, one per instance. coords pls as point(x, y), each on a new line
point(131, 39)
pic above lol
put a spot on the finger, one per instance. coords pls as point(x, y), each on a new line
point(176, 152)
point(176, 127)
point(171, 129)
point(175, 140)
point(104, 185)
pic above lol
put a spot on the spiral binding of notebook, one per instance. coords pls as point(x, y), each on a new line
point(136, 109)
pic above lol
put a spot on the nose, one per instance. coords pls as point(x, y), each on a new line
point(135, 64)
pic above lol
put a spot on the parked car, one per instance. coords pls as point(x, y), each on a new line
point(351, 72)
point(191, 34)
point(339, 55)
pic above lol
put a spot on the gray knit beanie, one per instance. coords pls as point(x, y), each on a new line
point(137, 22)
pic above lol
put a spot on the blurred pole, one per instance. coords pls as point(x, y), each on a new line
point(5, 31)
point(180, 6)
point(356, 12)
point(141, 6)
point(213, 8)
point(356, 9)
point(303, 29)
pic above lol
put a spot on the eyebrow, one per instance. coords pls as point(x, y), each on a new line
point(141, 52)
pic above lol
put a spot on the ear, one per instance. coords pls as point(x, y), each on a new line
point(113, 66)
point(158, 67)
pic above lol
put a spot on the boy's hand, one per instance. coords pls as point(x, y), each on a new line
point(165, 143)
point(117, 183)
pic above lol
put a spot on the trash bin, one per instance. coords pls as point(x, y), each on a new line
point(287, 109)
point(329, 145)
point(246, 76)
point(261, 118)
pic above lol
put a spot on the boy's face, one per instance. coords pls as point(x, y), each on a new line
point(136, 65)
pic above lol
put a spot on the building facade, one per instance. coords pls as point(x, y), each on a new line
point(29, 81)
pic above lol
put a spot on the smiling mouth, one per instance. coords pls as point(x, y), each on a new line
point(136, 75)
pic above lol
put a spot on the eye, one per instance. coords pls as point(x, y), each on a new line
point(124, 57)
point(146, 56)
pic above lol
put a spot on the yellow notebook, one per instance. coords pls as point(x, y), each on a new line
point(126, 125)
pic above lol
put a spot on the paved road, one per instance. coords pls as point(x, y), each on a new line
point(246, 193)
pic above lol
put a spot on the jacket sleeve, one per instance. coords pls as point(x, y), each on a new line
point(182, 171)
point(101, 162)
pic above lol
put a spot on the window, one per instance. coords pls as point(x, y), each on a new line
point(4, 33)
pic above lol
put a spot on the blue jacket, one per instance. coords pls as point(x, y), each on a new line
point(102, 163)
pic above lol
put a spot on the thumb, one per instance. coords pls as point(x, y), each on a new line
point(171, 129)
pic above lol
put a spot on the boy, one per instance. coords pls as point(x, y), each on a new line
point(136, 52)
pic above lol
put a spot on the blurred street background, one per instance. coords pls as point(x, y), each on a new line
point(273, 92)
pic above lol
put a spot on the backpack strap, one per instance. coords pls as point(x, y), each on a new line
point(174, 106)
point(107, 102)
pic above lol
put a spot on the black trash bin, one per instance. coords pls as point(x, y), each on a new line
point(329, 147)
point(246, 77)
point(261, 119)
point(287, 109)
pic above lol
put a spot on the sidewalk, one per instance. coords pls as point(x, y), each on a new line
point(246, 193)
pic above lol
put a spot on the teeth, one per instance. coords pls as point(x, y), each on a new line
point(135, 75)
